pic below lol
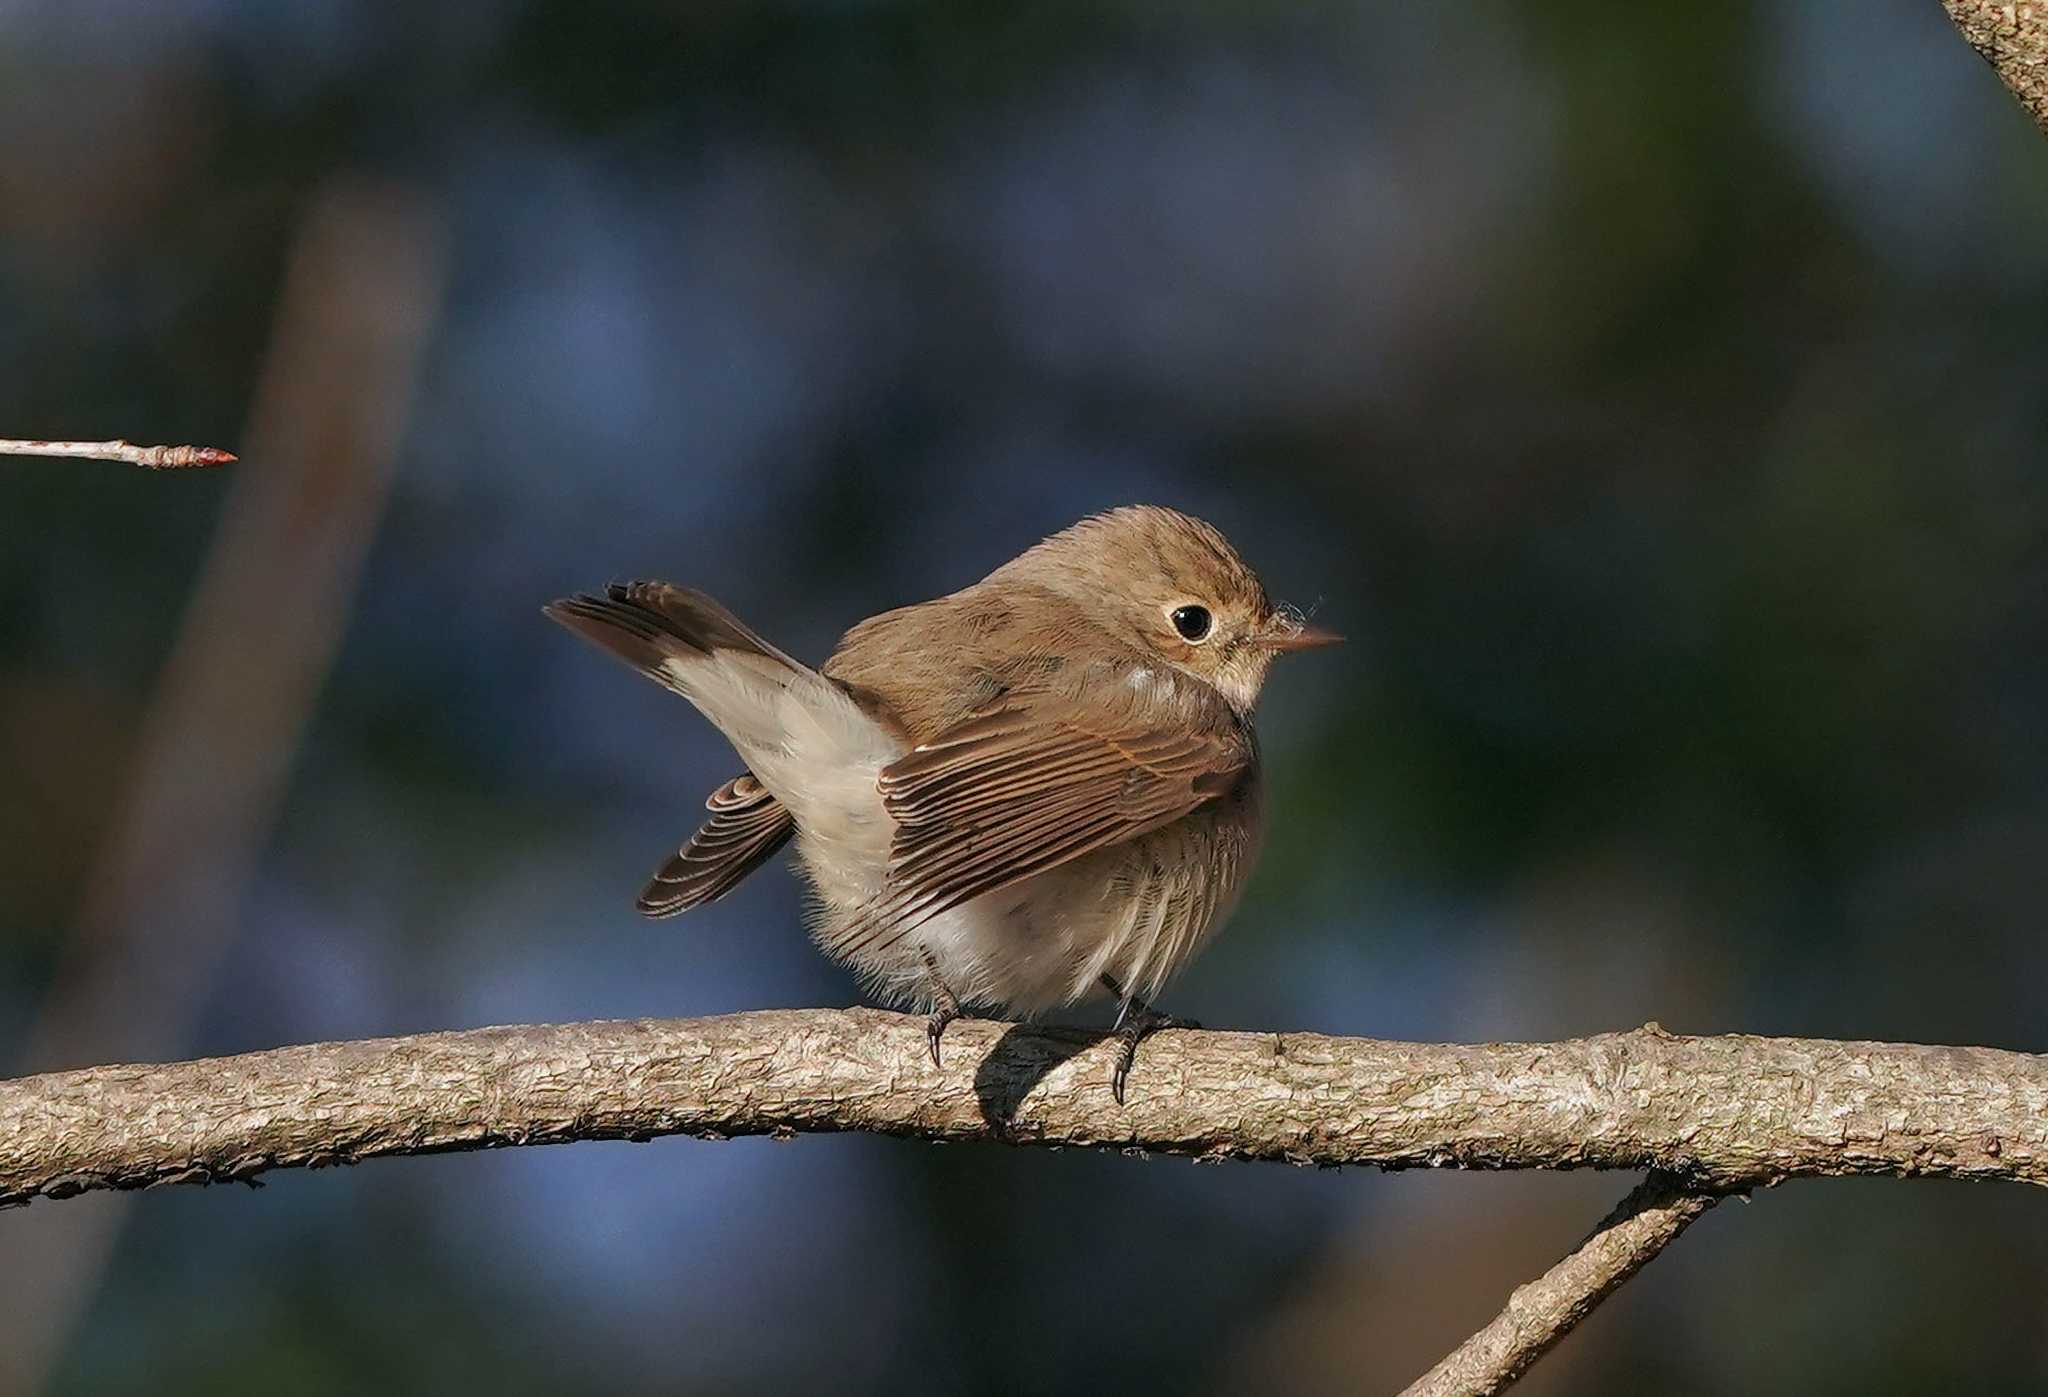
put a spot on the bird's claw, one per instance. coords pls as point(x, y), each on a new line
point(1138, 1022)
point(935, 1028)
point(945, 1006)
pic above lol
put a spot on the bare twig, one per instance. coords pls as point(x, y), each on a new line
point(2013, 39)
point(156, 458)
point(1551, 1306)
point(1724, 1114)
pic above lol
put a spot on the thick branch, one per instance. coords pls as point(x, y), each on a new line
point(1551, 1306)
point(1722, 1113)
point(2013, 39)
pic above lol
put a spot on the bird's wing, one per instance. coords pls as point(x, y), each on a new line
point(747, 826)
point(1024, 788)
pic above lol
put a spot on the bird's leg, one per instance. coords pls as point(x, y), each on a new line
point(945, 1006)
point(1135, 1019)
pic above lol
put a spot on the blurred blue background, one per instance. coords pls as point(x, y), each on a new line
point(1659, 398)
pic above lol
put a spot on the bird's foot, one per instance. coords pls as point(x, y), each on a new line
point(1135, 1021)
point(945, 1007)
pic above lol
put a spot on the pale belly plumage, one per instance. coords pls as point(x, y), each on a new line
point(1137, 912)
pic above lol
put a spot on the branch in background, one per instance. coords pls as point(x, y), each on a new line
point(156, 458)
point(2013, 39)
point(1724, 1114)
point(1551, 1306)
point(212, 760)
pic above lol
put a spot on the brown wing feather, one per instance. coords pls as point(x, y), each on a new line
point(1024, 789)
point(746, 829)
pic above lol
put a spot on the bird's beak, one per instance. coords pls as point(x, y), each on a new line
point(1286, 634)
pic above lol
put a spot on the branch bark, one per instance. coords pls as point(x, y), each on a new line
point(2013, 39)
point(1551, 1306)
point(1722, 1114)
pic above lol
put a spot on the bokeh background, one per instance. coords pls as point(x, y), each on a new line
point(1658, 395)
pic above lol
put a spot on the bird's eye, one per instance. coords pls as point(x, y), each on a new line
point(1193, 623)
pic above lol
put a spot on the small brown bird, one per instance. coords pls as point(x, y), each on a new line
point(1041, 786)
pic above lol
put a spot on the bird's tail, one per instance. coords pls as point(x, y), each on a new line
point(800, 733)
point(648, 624)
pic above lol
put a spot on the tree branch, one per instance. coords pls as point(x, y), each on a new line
point(1551, 1306)
point(156, 458)
point(1723, 1114)
point(2013, 39)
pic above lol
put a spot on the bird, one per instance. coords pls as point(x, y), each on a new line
point(1032, 791)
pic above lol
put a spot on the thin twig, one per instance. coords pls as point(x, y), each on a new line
point(156, 458)
point(1551, 1306)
